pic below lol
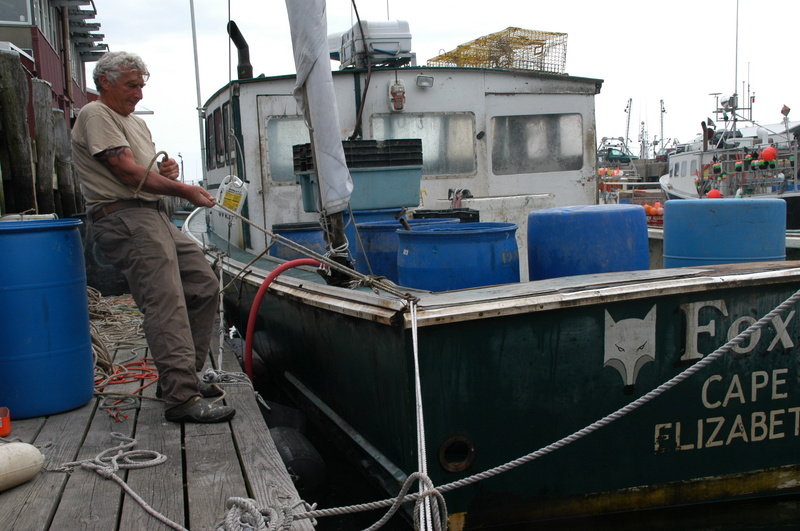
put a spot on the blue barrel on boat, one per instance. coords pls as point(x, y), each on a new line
point(356, 217)
point(379, 244)
point(46, 362)
point(458, 255)
point(587, 239)
point(307, 234)
point(723, 231)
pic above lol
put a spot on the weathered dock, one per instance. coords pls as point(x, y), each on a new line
point(205, 465)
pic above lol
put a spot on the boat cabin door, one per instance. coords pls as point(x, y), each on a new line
point(538, 145)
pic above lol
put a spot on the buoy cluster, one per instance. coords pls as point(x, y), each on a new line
point(656, 209)
point(755, 162)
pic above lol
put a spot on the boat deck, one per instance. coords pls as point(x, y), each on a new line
point(205, 465)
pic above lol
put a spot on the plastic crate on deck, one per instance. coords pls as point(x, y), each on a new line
point(386, 173)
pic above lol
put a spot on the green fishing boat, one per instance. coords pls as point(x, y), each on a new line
point(581, 392)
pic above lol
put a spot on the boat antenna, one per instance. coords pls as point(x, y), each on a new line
point(627, 124)
point(736, 68)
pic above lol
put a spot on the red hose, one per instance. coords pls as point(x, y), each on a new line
point(262, 290)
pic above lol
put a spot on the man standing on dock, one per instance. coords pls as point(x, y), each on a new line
point(170, 280)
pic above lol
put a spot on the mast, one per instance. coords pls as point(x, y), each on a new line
point(627, 124)
point(200, 110)
point(736, 69)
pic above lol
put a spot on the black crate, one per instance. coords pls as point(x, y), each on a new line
point(466, 215)
point(366, 154)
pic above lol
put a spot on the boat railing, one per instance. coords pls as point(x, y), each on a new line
point(621, 190)
point(750, 172)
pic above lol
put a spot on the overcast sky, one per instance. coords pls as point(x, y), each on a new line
point(678, 51)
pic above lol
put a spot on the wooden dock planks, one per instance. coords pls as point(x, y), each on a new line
point(206, 465)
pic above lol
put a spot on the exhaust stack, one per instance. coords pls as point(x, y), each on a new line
point(244, 70)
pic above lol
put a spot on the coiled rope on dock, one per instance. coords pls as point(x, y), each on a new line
point(115, 323)
point(107, 465)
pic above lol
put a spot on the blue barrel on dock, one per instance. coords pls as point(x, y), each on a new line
point(308, 234)
point(458, 255)
point(723, 231)
point(46, 362)
point(379, 244)
point(587, 239)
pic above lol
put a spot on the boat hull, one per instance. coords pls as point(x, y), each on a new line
point(508, 370)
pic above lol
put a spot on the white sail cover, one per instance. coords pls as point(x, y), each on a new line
point(315, 96)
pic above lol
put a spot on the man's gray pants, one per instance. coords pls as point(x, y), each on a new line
point(173, 286)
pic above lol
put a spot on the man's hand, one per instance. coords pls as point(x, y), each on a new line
point(199, 196)
point(169, 168)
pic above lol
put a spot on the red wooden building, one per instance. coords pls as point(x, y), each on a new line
point(44, 47)
point(55, 39)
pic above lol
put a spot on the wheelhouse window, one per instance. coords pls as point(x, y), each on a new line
point(227, 137)
point(15, 12)
point(219, 136)
point(536, 143)
point(282, 134)
point(220, 144)
point(448, 139)
point(211, 141)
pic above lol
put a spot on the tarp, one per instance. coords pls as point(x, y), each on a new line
point(314, 94)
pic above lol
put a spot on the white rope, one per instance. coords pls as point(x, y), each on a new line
point(422, 456)
point(243, 513)
point(107, 467)
point(221, 318)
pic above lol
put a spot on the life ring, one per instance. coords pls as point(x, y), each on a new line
point(19, 462)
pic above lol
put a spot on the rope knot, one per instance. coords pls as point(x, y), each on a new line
point(105, 472)
point(242, 514)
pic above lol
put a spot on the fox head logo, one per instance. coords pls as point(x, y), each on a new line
point(629, 345)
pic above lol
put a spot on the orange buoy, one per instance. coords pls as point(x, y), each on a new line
point(714, 194)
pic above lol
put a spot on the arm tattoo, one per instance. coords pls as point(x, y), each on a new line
point(111, 157)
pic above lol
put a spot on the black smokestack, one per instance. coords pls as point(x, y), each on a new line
point(244, 69)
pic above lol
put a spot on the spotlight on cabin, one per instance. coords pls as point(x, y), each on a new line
point(424, 81)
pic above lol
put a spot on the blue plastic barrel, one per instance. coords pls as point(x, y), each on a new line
point(351, 219)
point(458, 255)
point(308, 234)
point(379, 243)
point(46, 363)
point(587, 239)
point(723, 231)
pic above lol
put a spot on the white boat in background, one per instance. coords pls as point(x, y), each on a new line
point(732, 162)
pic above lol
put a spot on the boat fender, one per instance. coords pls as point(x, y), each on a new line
point(280, 416)
point(19, 462)
point(303, 462)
